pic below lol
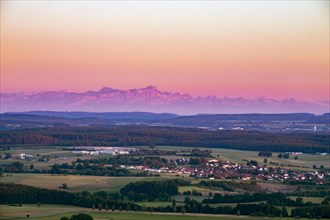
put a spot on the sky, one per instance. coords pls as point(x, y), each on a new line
point(278, 49)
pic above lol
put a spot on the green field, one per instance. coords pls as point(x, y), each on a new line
point(75, 183)
point(114, 184)
point(55, 212)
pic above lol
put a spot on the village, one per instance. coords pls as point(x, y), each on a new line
point(215, 169)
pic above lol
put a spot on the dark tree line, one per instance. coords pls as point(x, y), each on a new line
point(190, 137)
point(311, 212)
point(265, 154)
point(12, 193)
point(152, 162)
point(19, 194)
point(77, 169)
point(229, 186)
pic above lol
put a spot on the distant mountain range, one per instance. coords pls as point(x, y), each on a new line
point(150, 99)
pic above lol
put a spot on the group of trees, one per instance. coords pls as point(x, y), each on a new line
point(265, 154)
point(230, 186)
point(155, 162)
point(322, 211)
point(14, 167)
point(92, 169)
point(150, 190)
point(150, 161)
point(12, 193)
point(276, 199)
point(190, 137)
point(80, 216)
point(200, 153)
point(285, 156)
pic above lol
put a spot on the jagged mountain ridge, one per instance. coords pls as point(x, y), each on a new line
point(150, 99)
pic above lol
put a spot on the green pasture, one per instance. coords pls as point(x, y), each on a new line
point(55, 212)
point(82, 183)
point(75, 183)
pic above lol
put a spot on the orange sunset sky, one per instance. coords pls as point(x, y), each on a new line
point(278, 49)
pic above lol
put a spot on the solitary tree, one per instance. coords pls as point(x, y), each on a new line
point(183, 210)
point(99, 206)
point(286, 156)
point(64, 186)
point(325, 202)
point(174, 208)
point(299, 201)
point(284, 212)
point(7, 155)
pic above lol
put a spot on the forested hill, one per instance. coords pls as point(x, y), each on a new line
point(173, 136)
point(251, 122)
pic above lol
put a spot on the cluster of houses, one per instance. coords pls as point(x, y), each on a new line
point(102, 150)
point(229, 170)
point(24, 156)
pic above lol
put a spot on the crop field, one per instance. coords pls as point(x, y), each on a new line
point(180, 198)
point(157, 204)
point(75, 183)
point(308, 199)
point(55, 212)
point(191, 188)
